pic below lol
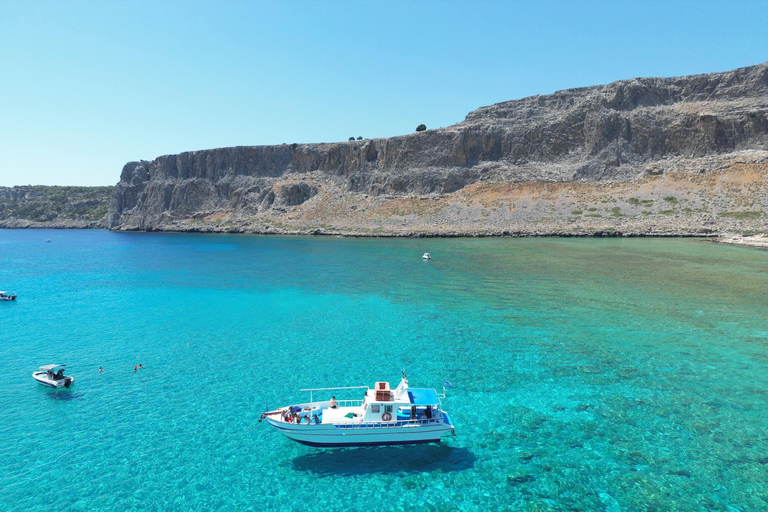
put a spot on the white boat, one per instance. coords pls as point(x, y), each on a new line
point(383, 417)
point(426, 256)
point(49, 376)
point(7, 296)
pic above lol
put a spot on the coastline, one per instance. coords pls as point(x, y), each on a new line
point(606, 233)
point(759, 241)
point(683, 201)
point(60, 224)
point(751, 241)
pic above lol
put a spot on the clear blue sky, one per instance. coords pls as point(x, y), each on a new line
point(87, 86)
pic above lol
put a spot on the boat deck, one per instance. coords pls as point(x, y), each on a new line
point(340, 415)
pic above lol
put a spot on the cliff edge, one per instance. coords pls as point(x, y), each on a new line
point(685, 155)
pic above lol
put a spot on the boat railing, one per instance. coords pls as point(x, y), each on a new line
point(349, 403)
point(333, 389)
point(312, 390)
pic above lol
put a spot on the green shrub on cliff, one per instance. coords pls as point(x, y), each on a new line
point(746, 215)
point(421, 128)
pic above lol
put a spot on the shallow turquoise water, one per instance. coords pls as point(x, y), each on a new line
point(588, 374)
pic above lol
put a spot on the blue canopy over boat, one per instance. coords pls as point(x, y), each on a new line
point(423, 396)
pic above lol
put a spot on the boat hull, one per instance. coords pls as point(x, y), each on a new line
point(349, 435)
point(42, 378)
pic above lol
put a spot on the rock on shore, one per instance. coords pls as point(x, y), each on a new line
point(647, 156)
point(757, 241)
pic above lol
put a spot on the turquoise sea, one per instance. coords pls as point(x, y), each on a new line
point(587, 374)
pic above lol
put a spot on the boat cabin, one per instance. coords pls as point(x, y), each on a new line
point(404, 403)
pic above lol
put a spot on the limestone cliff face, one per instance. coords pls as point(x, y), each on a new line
point(619, 132)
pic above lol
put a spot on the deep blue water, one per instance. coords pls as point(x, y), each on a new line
point(588, 374)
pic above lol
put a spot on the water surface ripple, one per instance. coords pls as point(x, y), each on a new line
point(588, 374)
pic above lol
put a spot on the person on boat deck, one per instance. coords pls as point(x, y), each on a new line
point(333, 403)
point(60, 373)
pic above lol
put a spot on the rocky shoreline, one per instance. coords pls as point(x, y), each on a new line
point(62, 224)
point(727, 197)
point(646, 157)
point(753, 241)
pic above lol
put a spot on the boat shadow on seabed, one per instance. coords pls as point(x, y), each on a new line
point(405, 459)
point(61, 394)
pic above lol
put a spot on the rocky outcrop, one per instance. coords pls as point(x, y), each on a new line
point(53, 207)
point(627, 132)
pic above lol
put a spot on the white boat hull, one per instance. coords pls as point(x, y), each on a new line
point(42, 378)
point(364, 434)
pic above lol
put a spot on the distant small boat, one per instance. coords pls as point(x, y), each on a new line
point(7, 296)
point(48, 240)
point(47, 376)
point(426, 256)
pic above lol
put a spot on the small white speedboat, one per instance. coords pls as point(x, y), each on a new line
point(7, 296)
point(383, 417)
point(53, 378)
point(426, 256)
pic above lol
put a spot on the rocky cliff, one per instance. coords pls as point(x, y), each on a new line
point(685, 155)
point(41, 206)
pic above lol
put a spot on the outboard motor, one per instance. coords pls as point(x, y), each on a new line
point(67, 383)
